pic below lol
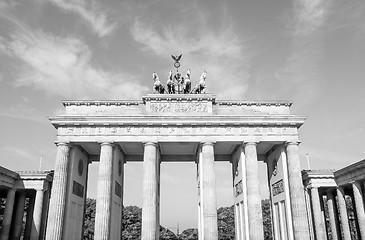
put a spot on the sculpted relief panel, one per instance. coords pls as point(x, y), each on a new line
point(183, 107)
point(181, 130)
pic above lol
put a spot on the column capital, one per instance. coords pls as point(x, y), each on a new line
point(150, 143)
point(207, 143)
point(107, 143)
point(68, 144)
point(253, 143)
point(289, 143)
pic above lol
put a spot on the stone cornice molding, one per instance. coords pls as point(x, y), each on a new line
point(9, 173)
point(178, 97)
point(100, 102)
point(287, 121)
point(253, 103)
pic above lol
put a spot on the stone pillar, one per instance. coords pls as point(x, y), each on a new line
point(29, 220)
point(8, 213)
point(150, 220)
point(46, 201)
point(103, 200)
point(255, 223)
point(359, 202)
point(298, 207)
point(37, 215)
point(208, 191)
point(19, 214)
point(332, 212)
point(343, 213)
point(319, 225)
point(58, 195)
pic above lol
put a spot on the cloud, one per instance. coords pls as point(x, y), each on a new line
point(309, 15)
point(218, 50)
point(91, 12)
point(62, 66)
point(301, 74)
point(15, 151)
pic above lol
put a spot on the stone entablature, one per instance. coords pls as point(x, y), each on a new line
point(177, 115)
point(175, 104)
point(318, 178)
point(350, 173)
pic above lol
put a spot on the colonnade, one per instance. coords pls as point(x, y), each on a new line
point(15, 203)
point(249, 224)
point(334, 202)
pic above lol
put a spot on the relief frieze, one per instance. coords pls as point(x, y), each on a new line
point(178, 130)
point(182, 107)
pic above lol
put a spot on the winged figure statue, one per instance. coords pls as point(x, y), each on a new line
point(176, 58)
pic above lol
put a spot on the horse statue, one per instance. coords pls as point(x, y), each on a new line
point(187, 82)
point(158, 87)
point(170, 84)
point(200, 87)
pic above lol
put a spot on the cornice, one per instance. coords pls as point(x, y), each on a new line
point(8, 173)
point(254, 103)
point(101, 102)
point(248, 121)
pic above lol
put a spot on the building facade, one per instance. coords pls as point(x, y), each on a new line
point(177, 127)
point(17, 188)
point(336, 202)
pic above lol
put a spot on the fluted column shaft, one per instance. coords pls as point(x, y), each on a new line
point(18, 222)
point(320, 230)
point(209, 204)
point(104, 199)
point(37, 214)
point(359, 202)
point(150, 221)
point(8, 213)
point(255, 223)
point(343, 213)
point(332, 212)
point(58, 196)
point(298, 207)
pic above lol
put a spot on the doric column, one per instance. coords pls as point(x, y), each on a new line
point(29, 220)
point(104, 200)
point(150, 221)
point(58, 196)
point(319, 226)
point(37, 214)
point(359, 202)
point(253, 193)
point(343, 213)
point(19, 214)
point(8, 213)
point(208, 191)
point(332, 213)
point(298, 207)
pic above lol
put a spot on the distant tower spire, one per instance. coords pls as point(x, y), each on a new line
point(40, 163)
point(309, 166)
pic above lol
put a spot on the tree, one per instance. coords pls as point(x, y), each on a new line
point(189, 234)
point(266, 218)
point(89, 220)
point(131, 223)
point(226, 228)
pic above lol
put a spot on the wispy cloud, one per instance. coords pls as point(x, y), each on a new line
point(301, 74)
point(98, 19)
point(15, 151)
point(62, 66)
point(218, 50)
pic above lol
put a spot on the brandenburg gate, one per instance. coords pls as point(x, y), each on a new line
point(174, 127)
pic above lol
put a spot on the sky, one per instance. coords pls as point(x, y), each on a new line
point(311, 52)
